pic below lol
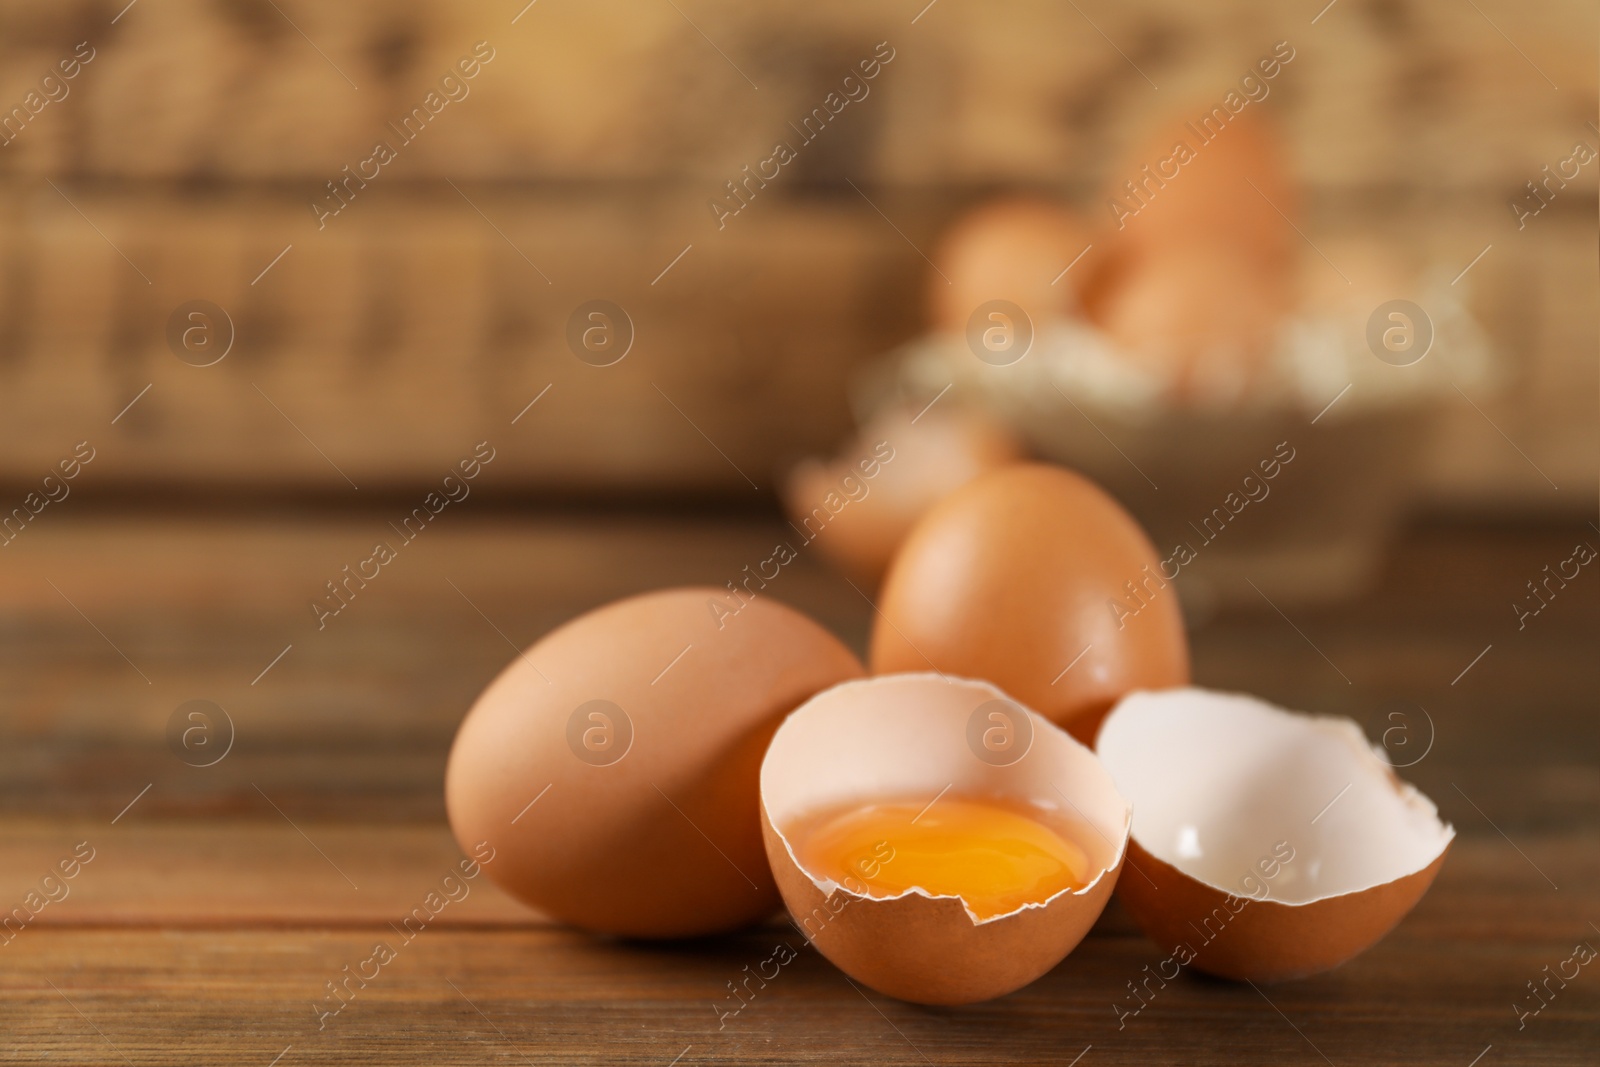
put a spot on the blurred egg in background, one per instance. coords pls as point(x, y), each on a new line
point(916, 460)
point(1013, 248)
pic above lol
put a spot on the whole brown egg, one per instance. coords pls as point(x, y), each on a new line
point(1031, 577)
point(1198, 178)
point(1202, 317)
point(613, 768)
point(1016, 249)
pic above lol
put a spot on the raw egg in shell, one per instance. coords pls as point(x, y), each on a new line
point(935, 839)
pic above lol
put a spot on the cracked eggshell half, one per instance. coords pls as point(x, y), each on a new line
point(916, 735)
point(1266, 844)
point(613, 766)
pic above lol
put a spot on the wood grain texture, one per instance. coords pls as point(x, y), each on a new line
point(1414, 92)
point(1439, 990)
point(434, 306)
point(382, 348)
point(379, 351)
point(225, 873)
point(354, 720)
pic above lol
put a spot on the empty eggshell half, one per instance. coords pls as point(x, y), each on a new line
point(1266, 844)
point(927, 735)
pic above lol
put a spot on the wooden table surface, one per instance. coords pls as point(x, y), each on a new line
point(220, 901)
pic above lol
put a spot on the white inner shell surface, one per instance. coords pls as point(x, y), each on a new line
point(901, 736)
point(1223, 785)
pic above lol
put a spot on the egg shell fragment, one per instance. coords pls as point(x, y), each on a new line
point(908, 735)
point(658, 837)
point(1221, 784)
point(859, 507)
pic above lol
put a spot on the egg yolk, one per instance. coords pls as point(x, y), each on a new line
point(993, 858)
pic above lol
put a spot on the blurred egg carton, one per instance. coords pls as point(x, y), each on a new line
point(1196, 473)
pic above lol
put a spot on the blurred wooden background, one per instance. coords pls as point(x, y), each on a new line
point(433, 310)
point(427, 315)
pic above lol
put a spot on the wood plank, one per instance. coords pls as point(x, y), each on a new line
point(379, 351)
point(264, 871)
point(355, 719)
point(199, 135)
point(1417, 92)
point(410, 329)
point(549, 995)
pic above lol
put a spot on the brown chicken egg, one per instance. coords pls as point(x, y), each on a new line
point(1105, 276)
point(1013, 249)
point(861, 506)
point(1201, 317)
point(1266, 844)
point(936, 840)
point(1207, 178)
point(1033, 578)
point(613, 765)
point(1371, 272)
